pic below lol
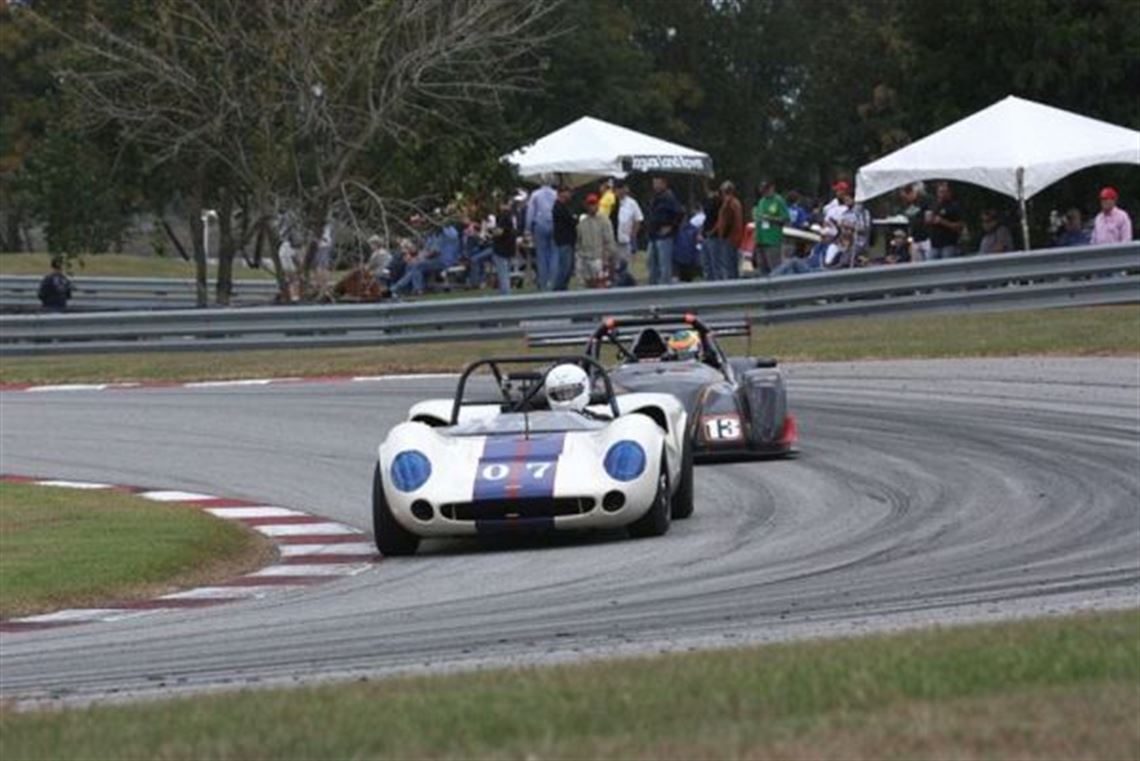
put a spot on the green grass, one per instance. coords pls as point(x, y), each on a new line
point(1047, 689)
point(70, 547)
point(1078, 332)
point(117, 265)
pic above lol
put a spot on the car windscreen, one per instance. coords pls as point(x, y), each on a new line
point(535, 422)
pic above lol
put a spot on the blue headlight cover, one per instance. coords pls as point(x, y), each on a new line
point(625, 461)
point(410, 470)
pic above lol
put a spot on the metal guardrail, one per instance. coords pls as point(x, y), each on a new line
point(18, 293)
point(1036, 279)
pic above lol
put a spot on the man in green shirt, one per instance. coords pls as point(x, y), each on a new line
point(770, 215)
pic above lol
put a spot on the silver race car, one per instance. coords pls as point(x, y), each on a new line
point(532, 449)
point(737, 406)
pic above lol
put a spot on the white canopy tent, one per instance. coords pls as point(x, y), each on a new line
point(591, 148)
point(1016, 147)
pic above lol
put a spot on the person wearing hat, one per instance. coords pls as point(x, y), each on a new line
point(596, 248)
point(1112, 225)
point(839, 190)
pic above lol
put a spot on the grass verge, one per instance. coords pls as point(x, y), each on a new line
point(118, 265)
point(1056, 688)
point(1084, 331)
point(64, 548)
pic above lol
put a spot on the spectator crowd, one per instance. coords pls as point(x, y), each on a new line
point(558, 238)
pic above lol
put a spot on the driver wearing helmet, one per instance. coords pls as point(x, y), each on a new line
point(567, 388)
point(684, 344)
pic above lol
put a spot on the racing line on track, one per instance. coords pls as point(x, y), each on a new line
point(311, 550)
point(933, 492)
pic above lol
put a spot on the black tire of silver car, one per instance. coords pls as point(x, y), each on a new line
point(655, 522)
point(683, 499)
point(391, 537)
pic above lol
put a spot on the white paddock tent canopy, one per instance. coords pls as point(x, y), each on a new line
point(1015, 147)
point(591, 148)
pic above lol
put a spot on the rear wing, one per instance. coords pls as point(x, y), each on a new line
point(611, 325)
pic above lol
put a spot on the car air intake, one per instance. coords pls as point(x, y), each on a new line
point(505, 509)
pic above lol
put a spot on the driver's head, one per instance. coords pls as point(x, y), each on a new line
point(567, 388)
point(685, 344)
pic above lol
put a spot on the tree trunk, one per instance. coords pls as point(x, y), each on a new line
point(13, 239)
point(201, 287)
point(226, 250)
point(256, 263)
point(174, 239)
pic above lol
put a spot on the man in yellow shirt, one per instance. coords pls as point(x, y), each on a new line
point(608, 199)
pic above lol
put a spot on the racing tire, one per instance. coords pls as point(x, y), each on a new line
point(391, 538)
point(682, 505)
point(655, 522)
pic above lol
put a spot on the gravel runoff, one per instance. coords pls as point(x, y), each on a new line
point(926, 492)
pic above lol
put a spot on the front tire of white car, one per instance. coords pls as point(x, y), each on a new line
point(656, 520)
point(391, 537)
point(683, 500)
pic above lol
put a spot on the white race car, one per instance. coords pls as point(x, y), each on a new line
point(555, 450)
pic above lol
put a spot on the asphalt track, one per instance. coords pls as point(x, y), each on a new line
point(925, 492)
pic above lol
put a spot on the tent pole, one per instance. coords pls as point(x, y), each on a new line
point(1021, 206)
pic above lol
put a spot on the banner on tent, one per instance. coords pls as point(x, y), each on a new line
point(686, 164)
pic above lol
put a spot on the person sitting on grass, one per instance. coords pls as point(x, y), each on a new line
point(440, 251)
point(898, 248)
point(378, 260)
point(55, 288)
point(996, 238)
point(1072, 232)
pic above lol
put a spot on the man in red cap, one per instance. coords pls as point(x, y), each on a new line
point(596, 248)
point(1113, 224)
point(840, 190)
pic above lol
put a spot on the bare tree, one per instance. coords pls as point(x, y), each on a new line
point(273, 103)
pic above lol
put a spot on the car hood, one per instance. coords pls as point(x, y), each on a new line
point(687, 381)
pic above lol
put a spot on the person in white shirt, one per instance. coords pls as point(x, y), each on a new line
point(378, 260)
point(287, 257)
point(629, 217)
point(832, 208)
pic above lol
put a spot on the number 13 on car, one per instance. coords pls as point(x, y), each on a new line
point(722, 428)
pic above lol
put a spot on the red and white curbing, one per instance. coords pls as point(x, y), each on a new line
point(7, 387)
point(312, 550)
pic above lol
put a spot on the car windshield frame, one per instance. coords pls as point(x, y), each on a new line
point(536, 378)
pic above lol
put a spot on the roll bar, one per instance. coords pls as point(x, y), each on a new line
point(592, 367)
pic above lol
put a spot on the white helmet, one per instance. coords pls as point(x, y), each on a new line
point(567, 388)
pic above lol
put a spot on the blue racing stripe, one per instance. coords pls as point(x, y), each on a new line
point(514, 467)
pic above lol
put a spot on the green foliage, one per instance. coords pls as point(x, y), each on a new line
point(797, 91)
point(69, 180)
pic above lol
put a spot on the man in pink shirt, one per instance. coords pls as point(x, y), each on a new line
point(1112, 225)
